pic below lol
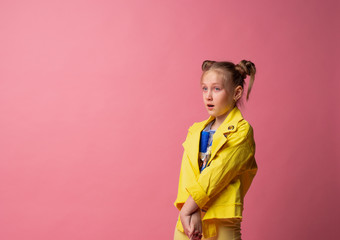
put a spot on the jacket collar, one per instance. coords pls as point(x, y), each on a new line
point(228, 125)
point(191, 145)
point(231, 121)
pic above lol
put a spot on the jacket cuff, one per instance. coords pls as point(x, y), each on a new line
point(198, 194)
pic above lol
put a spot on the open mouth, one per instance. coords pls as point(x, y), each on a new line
point(210, 105)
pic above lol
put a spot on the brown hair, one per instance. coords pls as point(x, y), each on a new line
point(237, 73)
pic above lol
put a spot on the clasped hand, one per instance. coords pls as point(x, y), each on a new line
point(192, 224)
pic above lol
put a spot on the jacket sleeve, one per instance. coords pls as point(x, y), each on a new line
point(186, 176)
point(235, 157)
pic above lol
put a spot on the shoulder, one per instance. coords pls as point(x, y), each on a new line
point(242, 134)
point(244, 128)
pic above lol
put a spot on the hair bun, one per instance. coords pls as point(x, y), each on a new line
point(206, 65)
point(246, 68)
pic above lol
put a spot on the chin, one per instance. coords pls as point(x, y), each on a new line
point(212, 114)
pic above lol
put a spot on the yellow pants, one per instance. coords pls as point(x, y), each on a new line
point(227, 229)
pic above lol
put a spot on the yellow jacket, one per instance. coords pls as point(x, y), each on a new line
point(220, 188)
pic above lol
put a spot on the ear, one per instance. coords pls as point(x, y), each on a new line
point(238, 93)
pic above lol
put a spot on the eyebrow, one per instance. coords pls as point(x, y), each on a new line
point(219, 84)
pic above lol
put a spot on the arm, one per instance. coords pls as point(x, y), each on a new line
point(191, 219)
point(196, 222)
point(234, 158)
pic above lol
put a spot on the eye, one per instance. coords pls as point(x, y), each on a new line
point(217, 89)
point(204, 89)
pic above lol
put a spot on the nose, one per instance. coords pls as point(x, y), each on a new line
point(208, 95)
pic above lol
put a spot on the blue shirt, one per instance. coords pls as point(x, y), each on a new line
point(205, 145)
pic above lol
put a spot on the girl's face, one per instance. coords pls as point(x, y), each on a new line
point(218, 95)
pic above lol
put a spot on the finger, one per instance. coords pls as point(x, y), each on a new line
point(194, 238)
point(198, 236)
point(187, 232)
point(191, 231)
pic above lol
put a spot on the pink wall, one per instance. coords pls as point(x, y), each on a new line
point(96, 98)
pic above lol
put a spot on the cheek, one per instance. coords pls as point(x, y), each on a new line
point(222, 97)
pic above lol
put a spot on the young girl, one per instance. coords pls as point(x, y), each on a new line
point(218, 163)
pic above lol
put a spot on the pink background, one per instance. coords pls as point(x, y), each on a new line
point(96, 98)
